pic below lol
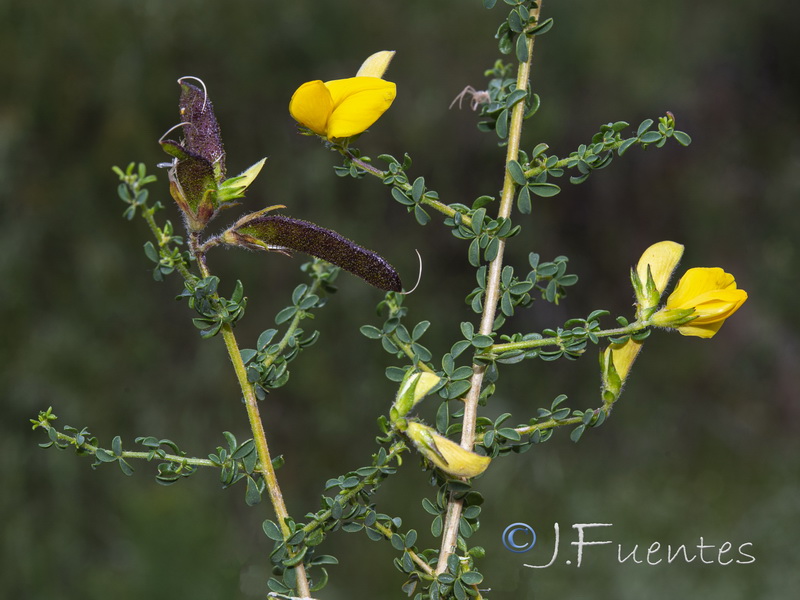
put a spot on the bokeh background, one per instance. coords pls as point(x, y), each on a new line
point(703, 443)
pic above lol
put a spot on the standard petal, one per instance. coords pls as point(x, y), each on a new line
point(662, 258)
point(357, 103)
point(311, 105)
point(376, 65)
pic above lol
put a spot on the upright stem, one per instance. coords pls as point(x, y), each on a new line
point(257, 428)
point(454, 508)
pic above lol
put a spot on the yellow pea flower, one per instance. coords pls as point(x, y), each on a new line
point(345, 107)
point(701, 302)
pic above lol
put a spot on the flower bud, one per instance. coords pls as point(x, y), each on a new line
point(445, 454)
point(615, 364)
point(414, 387)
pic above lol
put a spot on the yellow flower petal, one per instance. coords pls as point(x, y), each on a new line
point(376, 65)
point(357, 103)
point(311, 105)
point(698, 281)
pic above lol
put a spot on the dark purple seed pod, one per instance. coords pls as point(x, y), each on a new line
point(273, 231)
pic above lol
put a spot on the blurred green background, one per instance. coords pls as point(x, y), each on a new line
point(703, 443)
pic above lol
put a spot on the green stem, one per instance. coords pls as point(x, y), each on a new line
point(455, 506)
point(163, 240)
point(388, 533)
point(496, 349)
point(183, 460)
point(434, 204)
point(295, 323)
point(265, 466)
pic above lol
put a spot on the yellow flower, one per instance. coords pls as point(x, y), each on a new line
point(345, 107)
point(702, 300)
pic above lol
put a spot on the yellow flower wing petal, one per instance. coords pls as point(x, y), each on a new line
point(697, 281)
point(311, 105)
point(357, 103)
point(718, 305)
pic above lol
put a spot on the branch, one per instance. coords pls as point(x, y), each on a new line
point(455, 506)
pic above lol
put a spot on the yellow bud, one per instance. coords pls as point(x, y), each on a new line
point(615, 364)
point(376, 65)
point(235, 187)
point(414, 387)
point(445, 454)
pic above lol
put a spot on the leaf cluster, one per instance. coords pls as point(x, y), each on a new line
point(214, 310)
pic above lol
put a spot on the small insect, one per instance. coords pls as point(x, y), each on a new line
point(478, 97)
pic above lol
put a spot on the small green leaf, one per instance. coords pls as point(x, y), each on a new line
point(253, 494)
point(545, 190)
point(420, 329)
point(650, 137)
point(524, 204)
point(644, 126)
point(542, 27)
point(516, 172)
point(576, 433)
point(151, 252)
point(471, 578)
point(682, 138)
point(502, 124)
point(417, 189)
point(371, 332)
point(104, 456)
point(522, 49)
